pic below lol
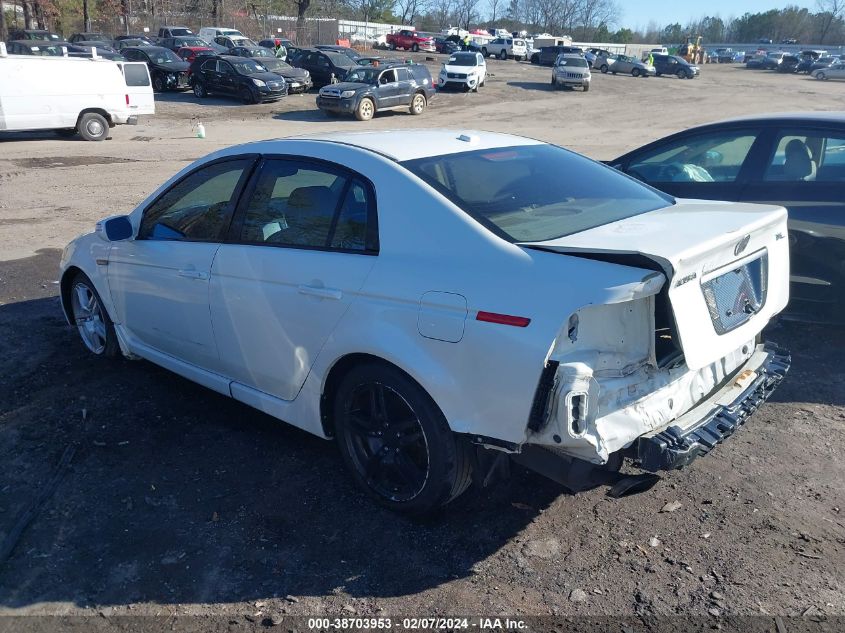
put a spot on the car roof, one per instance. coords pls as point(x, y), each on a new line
point(402, 145)
point(789, 118)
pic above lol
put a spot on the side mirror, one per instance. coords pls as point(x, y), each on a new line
point(115, 228)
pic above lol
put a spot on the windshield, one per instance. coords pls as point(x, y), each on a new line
point(535, 193)
point(247, 66)
point(191, 41)
point(177, 32)
point(47, 50)
point(463, 60)
point(260, 52)
point(340, 60)
point(163, 56)
point(363, 76)
point(576, 62)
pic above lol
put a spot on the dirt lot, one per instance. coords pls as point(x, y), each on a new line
point(179, 501)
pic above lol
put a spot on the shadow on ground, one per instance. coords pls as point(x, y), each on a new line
point(178, 495)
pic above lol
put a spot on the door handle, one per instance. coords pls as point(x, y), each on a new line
point(193, 274)
point(323, 293)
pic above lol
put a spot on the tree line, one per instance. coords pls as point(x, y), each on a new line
point(583, 20)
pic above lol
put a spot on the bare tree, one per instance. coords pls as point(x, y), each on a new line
point(465, 12)
point(443, 10)
point(408, 10)
point(832, 10)
point(494, 10)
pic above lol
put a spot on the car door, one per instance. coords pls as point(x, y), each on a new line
point(804, 171)
point(407, 85)
point(388, 89)
point(300, 248)
point(711, 164)
point(225, 78)
point(159, 281)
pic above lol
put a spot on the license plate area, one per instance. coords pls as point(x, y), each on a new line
point(733, 295)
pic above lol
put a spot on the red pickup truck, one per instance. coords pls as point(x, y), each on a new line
point(410, 41)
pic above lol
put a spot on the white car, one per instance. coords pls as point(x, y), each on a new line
point(465, 70)
point(571, 71)
point(430, 298)
point(504, 47)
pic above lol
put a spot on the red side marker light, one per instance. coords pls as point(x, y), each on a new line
point(502, 319)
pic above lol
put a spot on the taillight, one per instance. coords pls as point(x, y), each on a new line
point(502, 319)
point(127, 99)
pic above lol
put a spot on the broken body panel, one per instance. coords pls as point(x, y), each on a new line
point(619, 373)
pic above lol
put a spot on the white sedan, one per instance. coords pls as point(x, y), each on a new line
point(432, 298)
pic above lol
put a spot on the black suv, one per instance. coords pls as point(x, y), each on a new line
point(674, 65)
point(237, 77)
point(547, 55)
point(369, 89)
point(325, 66)
point(167, 70)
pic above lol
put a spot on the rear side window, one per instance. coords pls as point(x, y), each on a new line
point(809, 155)
point(312, 205)
point(535, 193)
point(136, 75)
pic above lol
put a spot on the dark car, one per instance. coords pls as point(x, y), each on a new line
point(78, 38)
point(86, 49)
point(793, 160)
point(273, 41)
point(442, 45)
point(326, 67)
point(351, 53)
point(771, 61)
point(823, 62)
point(808, 58)
point(39, 35)
point(167, 70)
point(235, 76)
point(137, 36)
point(119, 45)
point(38, 47)
point(789, 64)
point(190, 53)
point(368, 90)
point(297, 79)
point(674, 65)
point(547, 55)
point(182, 41)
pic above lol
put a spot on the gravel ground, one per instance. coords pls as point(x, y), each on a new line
point(179, 502)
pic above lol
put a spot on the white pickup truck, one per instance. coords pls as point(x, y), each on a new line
point(72, 95)
point(504, 47)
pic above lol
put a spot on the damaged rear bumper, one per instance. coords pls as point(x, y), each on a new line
point(710, 423)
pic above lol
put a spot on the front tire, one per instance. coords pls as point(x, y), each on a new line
point(503, 54)
point(415, 48)
point(365, 110)
point(91, 319)
point(397, 443)
point(635, 72)
point(93, 127)
point(681, 74)
point(158, 83)
point(247, 97)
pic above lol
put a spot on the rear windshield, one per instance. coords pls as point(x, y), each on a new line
point(535, 193)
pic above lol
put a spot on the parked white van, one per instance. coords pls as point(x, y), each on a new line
point(72, 95)
point(208, 33)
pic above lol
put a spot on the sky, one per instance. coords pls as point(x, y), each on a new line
point(641, 12)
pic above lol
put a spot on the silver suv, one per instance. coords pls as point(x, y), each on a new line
point(571, 70)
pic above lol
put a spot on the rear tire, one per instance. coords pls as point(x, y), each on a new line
point(503, 54)
point(396, 441)
point(604, 68)
point(635, 72)
point(93, 127)
point(199, 90)
point(418, 104)
point(365, 110)
point(681, 74)
point(821, 76)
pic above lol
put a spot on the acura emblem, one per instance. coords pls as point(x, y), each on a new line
point(741, 244)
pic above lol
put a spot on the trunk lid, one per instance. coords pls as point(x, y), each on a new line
point(727, 266)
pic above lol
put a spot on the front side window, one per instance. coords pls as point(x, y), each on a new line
point(716, 157)
point(197, 208)
point(387, 77)
point(810, 155)
point(299, 203)
point(535, 193)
